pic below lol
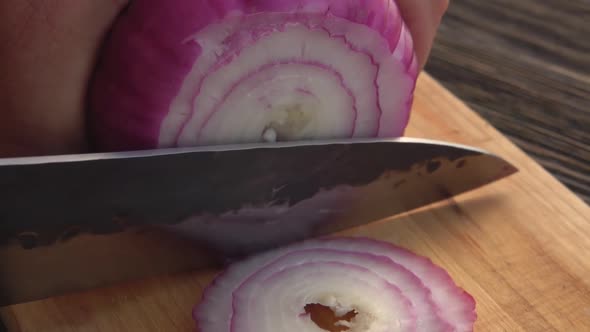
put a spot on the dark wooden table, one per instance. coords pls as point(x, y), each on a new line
point(524, 66)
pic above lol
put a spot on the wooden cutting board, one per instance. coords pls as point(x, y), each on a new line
point(520, 246)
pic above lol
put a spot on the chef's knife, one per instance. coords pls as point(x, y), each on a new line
point(70, 223)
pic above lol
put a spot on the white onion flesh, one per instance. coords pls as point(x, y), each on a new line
point(276, 302)
point(389, 288)
point(306, 79)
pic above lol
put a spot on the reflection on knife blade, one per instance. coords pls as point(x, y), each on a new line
point(95, 221)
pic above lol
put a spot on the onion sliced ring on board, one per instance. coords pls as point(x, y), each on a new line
point(366, 285)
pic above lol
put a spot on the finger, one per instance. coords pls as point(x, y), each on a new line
point(48, 52)
point(423, 19)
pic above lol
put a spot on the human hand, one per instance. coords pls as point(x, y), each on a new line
point(423, 19)
point(48, 52)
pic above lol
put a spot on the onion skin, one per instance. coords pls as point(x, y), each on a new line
point(150, 55)
point(436, 303)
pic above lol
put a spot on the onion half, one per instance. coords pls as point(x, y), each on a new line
point(387, 288)
point(185, 73)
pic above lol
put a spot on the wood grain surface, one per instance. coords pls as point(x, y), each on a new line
point(518, 246)
point(525, 67)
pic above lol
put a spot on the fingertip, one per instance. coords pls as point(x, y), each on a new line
point(423, 18)
point(443, 6)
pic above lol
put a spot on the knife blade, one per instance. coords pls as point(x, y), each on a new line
point(75, 222)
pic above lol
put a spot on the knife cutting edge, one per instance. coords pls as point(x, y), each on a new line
point(75, 222)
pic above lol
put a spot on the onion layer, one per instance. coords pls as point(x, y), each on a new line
point(184, 73)
point(387, 288)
